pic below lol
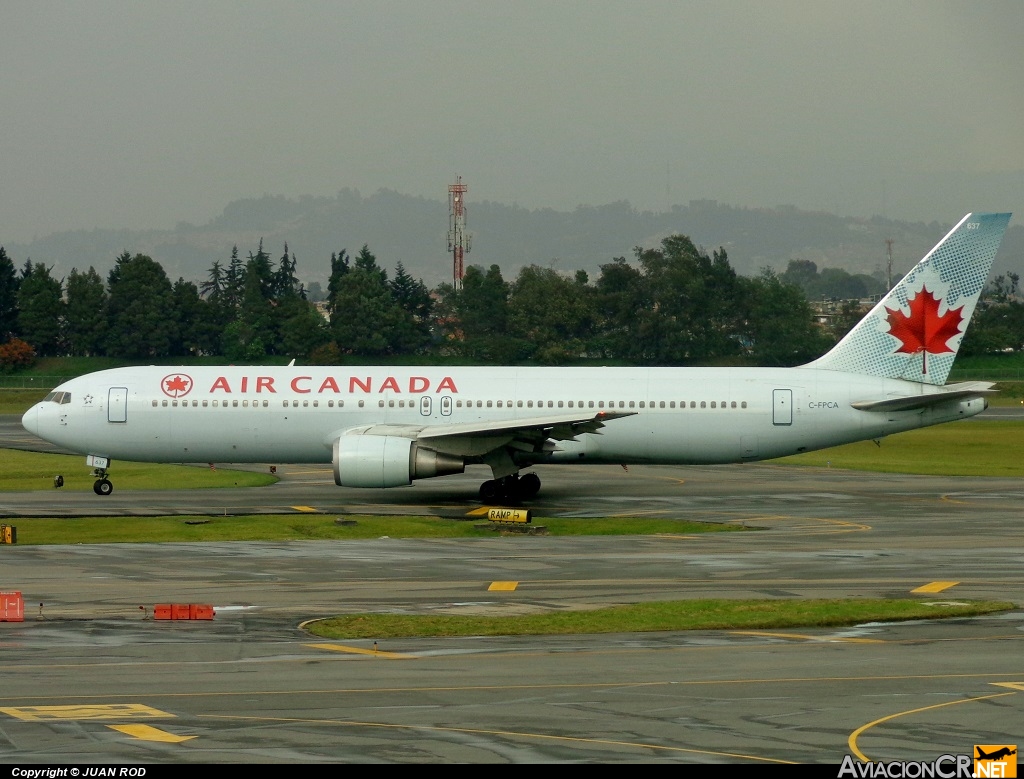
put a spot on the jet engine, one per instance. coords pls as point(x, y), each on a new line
point(388, 461)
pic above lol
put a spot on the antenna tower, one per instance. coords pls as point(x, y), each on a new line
point(889, 242)
point(459, 241)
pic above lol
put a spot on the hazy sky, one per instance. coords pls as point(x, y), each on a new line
point(139, 114)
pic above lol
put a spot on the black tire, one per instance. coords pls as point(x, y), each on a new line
point(529, 485)
point(103, 487)
point(489, 490)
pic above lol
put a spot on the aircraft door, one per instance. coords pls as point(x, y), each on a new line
point(446, 405)
point(425, 405)
point(117, 404)
point(782, 407)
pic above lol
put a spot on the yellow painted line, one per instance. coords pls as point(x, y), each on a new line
point(801, 637)
point(852, 741)
point(1011, 685)
point(111, 711)
point(480, 512)
point(503, 586)
point(355, 650)
point(935, 587)
point(307, 509)
point(149, 733)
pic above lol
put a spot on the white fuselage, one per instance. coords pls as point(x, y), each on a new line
point(293, 414)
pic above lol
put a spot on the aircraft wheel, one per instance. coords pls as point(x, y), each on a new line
point(529, 485)
point(489, 491)
point(103, 487)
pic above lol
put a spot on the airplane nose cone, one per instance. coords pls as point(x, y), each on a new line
point(31, 420)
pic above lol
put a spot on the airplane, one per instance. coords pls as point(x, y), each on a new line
point(388, 426)
point(1003, 752)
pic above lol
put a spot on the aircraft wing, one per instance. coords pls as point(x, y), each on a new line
point(963, 391)
point(529, 434)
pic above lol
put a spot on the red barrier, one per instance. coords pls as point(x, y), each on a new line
point(12, 607)
point(183, 611)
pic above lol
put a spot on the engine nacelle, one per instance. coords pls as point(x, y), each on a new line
point(388, 461)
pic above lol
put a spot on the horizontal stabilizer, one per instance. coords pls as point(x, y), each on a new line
point(952, 392)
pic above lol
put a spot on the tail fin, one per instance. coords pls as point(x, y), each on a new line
point(915, 331)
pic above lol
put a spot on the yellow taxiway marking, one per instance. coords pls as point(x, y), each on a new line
point(307, 509)
point(852, 740)
point(355, 650)
point(149, 733)
point(801, 637)
point(935, 587)
point(1012, 685)
point(503, 586)
point(110, 711)
point(480, 512)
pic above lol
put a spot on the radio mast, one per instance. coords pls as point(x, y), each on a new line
point(459, 241)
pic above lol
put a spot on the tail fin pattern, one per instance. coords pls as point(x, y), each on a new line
point(915, 331)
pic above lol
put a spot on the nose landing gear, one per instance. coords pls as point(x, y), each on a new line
point(102, 485)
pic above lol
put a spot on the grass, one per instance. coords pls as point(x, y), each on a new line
point(655, 616)
point(969, 448)
point(35, 471)
point(297, 527)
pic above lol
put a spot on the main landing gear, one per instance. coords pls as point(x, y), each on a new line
point(511, 488)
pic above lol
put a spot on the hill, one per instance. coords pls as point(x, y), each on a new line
point(413, 230)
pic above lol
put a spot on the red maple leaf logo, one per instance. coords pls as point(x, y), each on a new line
point(924, 330)
point(176, 385)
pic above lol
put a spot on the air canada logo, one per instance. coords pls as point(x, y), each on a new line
point(995, 760)
point(176, 385)
point(925, 330)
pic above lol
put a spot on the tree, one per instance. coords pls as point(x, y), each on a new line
point(413, 333)
point(85, 324)
point(550, 316)
point(780, 328)
point(618, 297)
point(16, 354)
point(694, 311)
point(474, 319)
point(142, 320)
point(40, 309)
point(9, 283)
point(365, 317)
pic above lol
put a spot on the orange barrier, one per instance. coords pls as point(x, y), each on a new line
point(12, 607)
point(183, 611)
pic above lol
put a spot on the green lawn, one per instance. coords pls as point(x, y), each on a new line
point(970, 448)
point(654, 616)
point(35, 471)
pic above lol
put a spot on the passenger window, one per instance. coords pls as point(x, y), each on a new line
point(560, 404)
point(154, 404)
point(743, 404)
point(641, 404)
point(519, 404)
point(712, 404)
point(632, 404)
point(215, 403)
point(733, 404)
point(305, 403)
point(234, 404)
point(206, 403)
point(164, 403)
point(266, 403)
point(330, 404)
point(361, 403)
point(702, 404)
point(693, 404)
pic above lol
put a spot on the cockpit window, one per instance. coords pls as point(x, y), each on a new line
point(66, 397)
point(58, 397)
point(51, 396)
